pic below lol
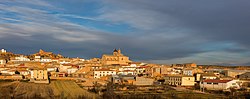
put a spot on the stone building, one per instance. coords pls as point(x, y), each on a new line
point(39, 75)
point(179, 80)
point(2, 61)
point(116, 59)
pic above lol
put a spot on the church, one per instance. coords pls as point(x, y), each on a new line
point(116, 59)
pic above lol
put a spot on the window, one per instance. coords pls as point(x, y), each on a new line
point(209, 83)
point(233, 83)
point(215, 83)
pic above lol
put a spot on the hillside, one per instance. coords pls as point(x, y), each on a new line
point(57, 89)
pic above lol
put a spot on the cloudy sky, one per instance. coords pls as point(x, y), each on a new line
point(162, 31)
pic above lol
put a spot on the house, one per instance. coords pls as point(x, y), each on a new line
point(8, 71)
point(141, 70)
point(143, 81)
point(165, 70)
point(208, 76)
point(37, 58)
point(58, 74)
point(24, 72)
point(64, 60)
point(126, 72)
point(94, 62)
point(179, 80)
point(103, 72)
point(176, 71)
point(216, 84)
point(3, 51)
point(188, 72)
point(234, 73)
point(11, 77)
point(51, 69)
point(197, 77)
point(244, 76)
point(46, 60)
point(2, 61)
point(72, 70)
point(128, 67)
point(39, 75)
point(115, 79)
point(20, 58)
point(55, 60)
point(64, 67)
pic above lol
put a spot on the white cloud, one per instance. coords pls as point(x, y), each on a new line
point(31, 21)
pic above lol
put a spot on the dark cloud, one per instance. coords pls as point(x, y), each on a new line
point(163, 30)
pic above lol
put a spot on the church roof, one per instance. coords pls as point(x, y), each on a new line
point(115, 50)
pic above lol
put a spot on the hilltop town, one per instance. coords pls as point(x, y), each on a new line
point(115, 74)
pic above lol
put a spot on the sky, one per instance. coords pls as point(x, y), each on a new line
point(163, 31)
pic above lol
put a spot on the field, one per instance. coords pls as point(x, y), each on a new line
point(69, 89)
point(54, 90)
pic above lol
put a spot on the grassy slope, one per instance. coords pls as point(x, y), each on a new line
point(56, 89)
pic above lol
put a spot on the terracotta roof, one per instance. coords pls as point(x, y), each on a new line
point(216, 81)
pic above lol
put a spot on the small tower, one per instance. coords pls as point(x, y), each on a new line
point(115, 52)
point(119, 51)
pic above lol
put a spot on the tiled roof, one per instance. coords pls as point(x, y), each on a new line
point(216, 81)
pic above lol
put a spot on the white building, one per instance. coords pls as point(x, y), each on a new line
point(64, 62)
point(8, 71)
point(188, 72)
point(51, 69)
point(126, 72)
point(72, 70)
point(64, 67)
point(103, 72)
point(215, 84)
point(3, 51)
point(129, 67)
point(37, 58)
point(208, 76)
point(56, 60)
point(24, 72)
point(46, 60)
point(21, 59)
